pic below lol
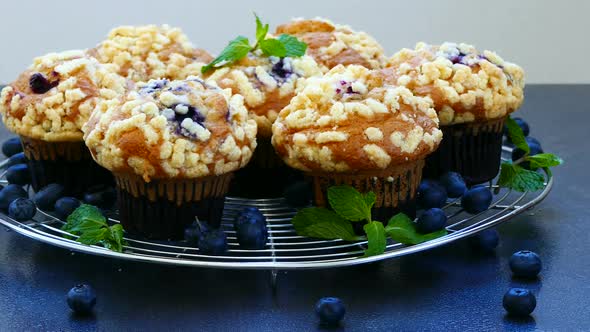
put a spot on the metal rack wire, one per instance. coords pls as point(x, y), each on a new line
point(285, 249)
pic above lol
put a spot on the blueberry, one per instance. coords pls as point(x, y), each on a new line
point(431, 194)
point(519, 302)
point(252, 234)
point(453, 183)
point(298, 194)
point(65, 206)
point(17, 158)
point(81, 299)
point(330, 310)
point(48, 195)
point(518, 153)
point(193, 232)
point(248, 215)
point(18, 174)
point(431, 220)
point(476, 199)
point(532, 140)
point(523, 125)
point(213, 242)
point(103, 198)
point(22, 209)
point(485, 241)
point(525, 264)
point(9, 194)
point(12, 146)
point(40, 84)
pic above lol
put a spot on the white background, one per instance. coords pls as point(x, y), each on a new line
point(548, 38)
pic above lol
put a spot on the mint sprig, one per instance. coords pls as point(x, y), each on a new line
point(516, 177)
point(350, 206)
point(91, 227)
point(283, 46)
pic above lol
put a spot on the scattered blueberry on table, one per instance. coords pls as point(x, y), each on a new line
point(525, 264)
point(431, 194)
point(476, 199)
point(18, 174)
point(213, 242)
point(330, 310)
point(519, 302)
point(81, 299)
point(65, 206)
point(431, 220)
point(12, 146)
point(9, 194)
point(454, 184)
point(22, 209)
point(485, 241)
point(48, 195)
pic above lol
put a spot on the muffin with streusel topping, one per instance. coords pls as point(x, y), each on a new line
point(348, 127)
point(267, 84)
point(473, 93)
point(172, 146)
point(332, 44)
point(47, 106)
point(149, 52)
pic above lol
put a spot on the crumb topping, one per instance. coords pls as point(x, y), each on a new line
point(464, 84)
point(172, 129)
point(151, 52)
point(54, 97)
point(333, 44)
point(348, 121)
point(267, 84)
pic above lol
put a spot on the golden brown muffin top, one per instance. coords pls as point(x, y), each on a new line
point(465, 85)
point(54, 97)
point(349, 121)
point(172, 129)
point(333, 44)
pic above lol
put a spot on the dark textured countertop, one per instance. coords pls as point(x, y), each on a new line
point(448, 288)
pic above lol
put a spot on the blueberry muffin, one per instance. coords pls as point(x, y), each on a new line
point(350, 127)
point(473, 92)
point(149, 52)
point(332, 44)
point(47, 106)
point(267, 84)
point(172, 147)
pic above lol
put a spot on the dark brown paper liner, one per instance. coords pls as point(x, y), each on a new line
point(67, 163)
point(161, 209)
point(266, 175)
point(472, 149)
point(395, 188)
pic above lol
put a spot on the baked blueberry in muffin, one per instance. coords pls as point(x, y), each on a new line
point(473, 92)
point(349, 127)
point(47, 106)
point(172, 147)
point(332, 44)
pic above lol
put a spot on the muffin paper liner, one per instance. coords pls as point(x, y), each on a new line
point(473, 150)
point(161, 209)
point(266, 175)
point(395, 189)
point(66, 163)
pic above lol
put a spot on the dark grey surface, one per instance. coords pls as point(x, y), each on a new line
point(449, 288)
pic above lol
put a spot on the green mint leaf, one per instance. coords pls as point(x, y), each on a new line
point(295, 47)
point(84, 218)
point(520, 179)
point(323, 223)
point(114, 238)
point(516, 135)
point(272, 47)
point(261, 29)
point(377, 241)
point(370, 199)
point(401, 229)
point(543, 160)
point(349, 203)
point(235, 50)
point(93, 236)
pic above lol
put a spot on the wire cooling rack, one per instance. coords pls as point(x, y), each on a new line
point(285, 249)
